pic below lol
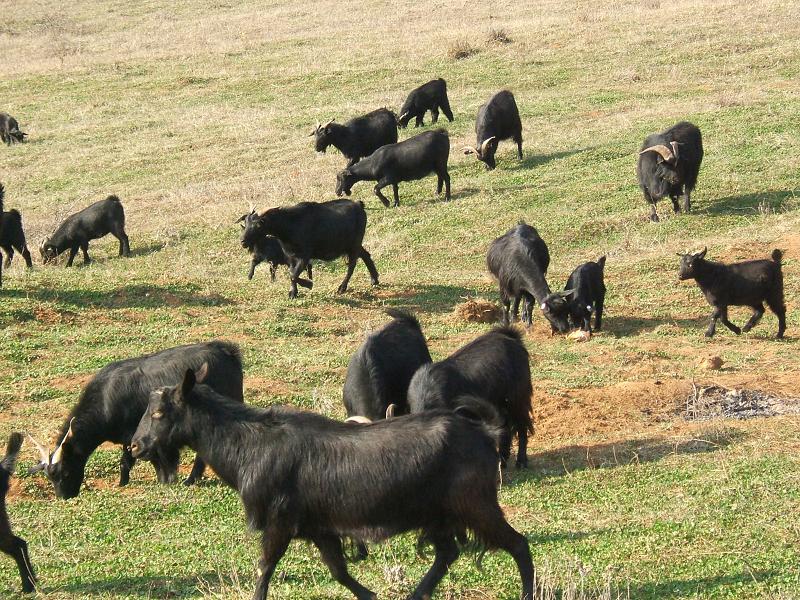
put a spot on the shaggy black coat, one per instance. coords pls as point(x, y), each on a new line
point(12, 545)
point(9, 130)
point(430, 96)
point(91, 223)
point(494, 367)
point(114, 400)
point(588, 294)
point(673, 176)
point(497, 120)
point(519, 260)
point(302, 475)
point(381, 369)
point(411, 159)
point(315, 230)
point(358, 137)
point(750, 283)
point(12, 235)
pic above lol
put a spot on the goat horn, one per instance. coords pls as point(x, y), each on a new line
point(390, 410)
point(357, 419)
point(485, 143)
point(674, 149)
point(44, 453)
point(328, 123)
point(661, 149)
point(57, 454)
point(403, 116)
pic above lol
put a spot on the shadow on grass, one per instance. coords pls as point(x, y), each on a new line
point(750, 203)
point(619, 326)
point(429, 298)
point(130, 296)
point(531, 161)
point(145, 586)
point(569, 459)
point(689, 588)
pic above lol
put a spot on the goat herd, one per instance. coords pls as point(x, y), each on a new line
point(438, 428)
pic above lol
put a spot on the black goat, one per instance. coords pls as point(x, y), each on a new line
point(411, 159)
point(113, 402)
point(497, 120)
point(11, 235)
point(9, 130)
point(381, 369)
point(587, 294)
point(358, 137)
point(12, 545)
point(518, 260)
point(302, 475)
point(265, 249)
point(494, 367)
point(430, 96)
point(315, 230)
point(77, 230)
point(749, 283)
point(668, 165)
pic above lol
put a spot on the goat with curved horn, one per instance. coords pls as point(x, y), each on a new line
point(60, 449)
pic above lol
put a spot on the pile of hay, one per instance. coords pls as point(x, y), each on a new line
point(477, 310)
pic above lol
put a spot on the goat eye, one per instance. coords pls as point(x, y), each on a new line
point(157, 414)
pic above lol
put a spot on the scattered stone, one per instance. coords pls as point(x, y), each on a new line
point(580, 336)
point(712, 363)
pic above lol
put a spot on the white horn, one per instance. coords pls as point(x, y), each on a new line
point(59, 451)
point(485, 142)
point(44, 453)
point(357, 419)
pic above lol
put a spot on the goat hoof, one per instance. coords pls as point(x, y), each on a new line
point(522, 464)
point(709, 334)
point(341, 289)
point(189, 481)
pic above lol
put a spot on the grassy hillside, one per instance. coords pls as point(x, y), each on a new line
point(193, 111)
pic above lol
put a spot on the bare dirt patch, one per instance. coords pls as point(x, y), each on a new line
point(73, 383)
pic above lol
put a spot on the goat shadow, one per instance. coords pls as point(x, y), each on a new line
point(136, 250)
point(420, 298)
point(752, 203)
point(531, 161)
point(621, 326)
point(144, 586)
point(129, 296)
point(581, 457)
point(688, 588)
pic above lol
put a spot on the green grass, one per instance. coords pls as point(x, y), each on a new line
point(192, 111)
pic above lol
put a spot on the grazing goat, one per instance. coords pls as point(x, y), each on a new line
point(411, 159)
point(265, 249)
point(12, 545)
point(381, 369)
point(497, 120)
point(494, 367)
point(9, 130)
point(668, 166)
point(315, 230)
point(91, 223)
point(518, 260)
point(429, 96)
point(587, 293)
point(113, 402)
point(749, 283)
point(302, 475)
point(358, 137)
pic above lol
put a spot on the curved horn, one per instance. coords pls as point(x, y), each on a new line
point(403, 116)
point(390, 411)
point(485, 143)
point(357, 419)
point(328, 123)
point(44, 453)
point(661, 149)
point(674, 149)
point(57, 454)
point(315, 130)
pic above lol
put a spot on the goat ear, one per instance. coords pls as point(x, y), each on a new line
point(566, 293)
point(703, 253)
point(202, 373)
point(240, 219)
point(189, 379)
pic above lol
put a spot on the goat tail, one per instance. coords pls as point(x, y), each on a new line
point(2, 195)
point(602, 262)
point(777, 255)
point(12, 450)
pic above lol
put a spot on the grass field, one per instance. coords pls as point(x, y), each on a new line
point(193, 111)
